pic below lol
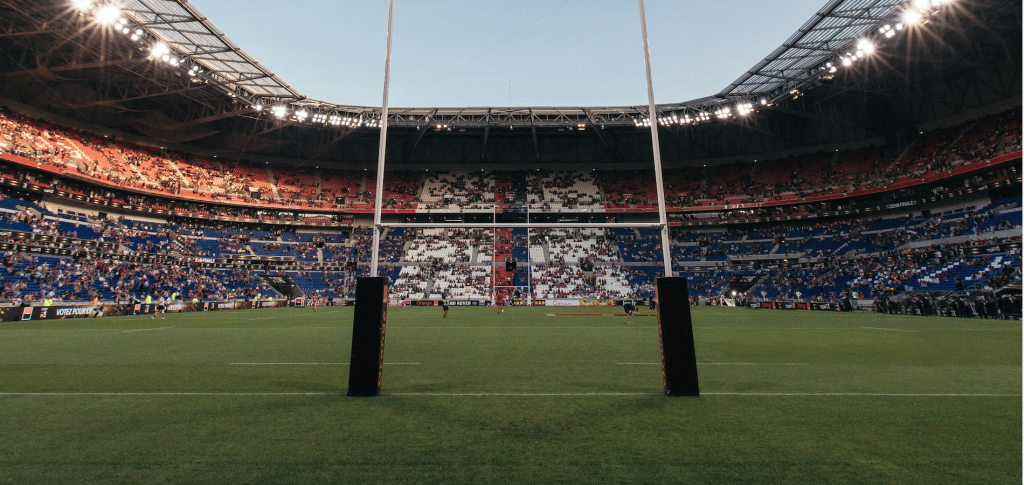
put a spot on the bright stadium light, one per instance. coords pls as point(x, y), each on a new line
point(911, 17)
point(159, 49)
point(866, 46)
point(302, 115)
point(279, 111)
point(82, 4)
point(108, 14)
point(847, 61)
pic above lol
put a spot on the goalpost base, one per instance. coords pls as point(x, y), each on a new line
point(368, 326)
point(675, 333)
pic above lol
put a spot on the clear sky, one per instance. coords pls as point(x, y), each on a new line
point(518, 53)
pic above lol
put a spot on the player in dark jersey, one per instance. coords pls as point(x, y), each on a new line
point(628, 306)
point(444, 305)
point(653, 307)
point(161, 308)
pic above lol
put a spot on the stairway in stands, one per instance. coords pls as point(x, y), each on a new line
point(502, 250)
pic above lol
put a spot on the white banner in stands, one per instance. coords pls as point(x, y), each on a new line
point(563, 303)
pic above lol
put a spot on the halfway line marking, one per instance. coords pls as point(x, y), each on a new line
point(144, 329)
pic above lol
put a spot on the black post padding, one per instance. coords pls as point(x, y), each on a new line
point(675, 331)
point(368, 325)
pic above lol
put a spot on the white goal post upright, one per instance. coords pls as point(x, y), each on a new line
point(653, 117)
point(381, 151)
point(662, 223)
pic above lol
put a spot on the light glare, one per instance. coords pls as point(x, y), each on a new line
point(108, 14)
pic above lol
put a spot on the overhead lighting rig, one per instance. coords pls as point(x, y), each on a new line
point(914, 14)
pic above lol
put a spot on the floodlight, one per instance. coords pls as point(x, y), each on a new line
point(280, 111)
point(922, 5)
point(108, 14)
point(865, 45)
point(160, 49)
point(847, 61)
point(302, 115)
point(82, 4)
point(911, 17)
point(258, 107)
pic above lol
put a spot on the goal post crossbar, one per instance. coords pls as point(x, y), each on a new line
point(652, 117)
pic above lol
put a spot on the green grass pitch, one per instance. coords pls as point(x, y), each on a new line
point(536, 395)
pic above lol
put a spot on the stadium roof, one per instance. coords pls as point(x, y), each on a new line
point(161, 69)
point(836, 28)
point(184, 28)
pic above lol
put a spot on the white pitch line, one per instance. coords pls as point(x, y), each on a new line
point(883, 394)
point(531, 328)
point(316, 363)
point(718, 363)
point(508, 394)
point(171, 394)
point(144, 329)
point(516, 394)
point(891, 329)
point(777, 328)
point(289, 363)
